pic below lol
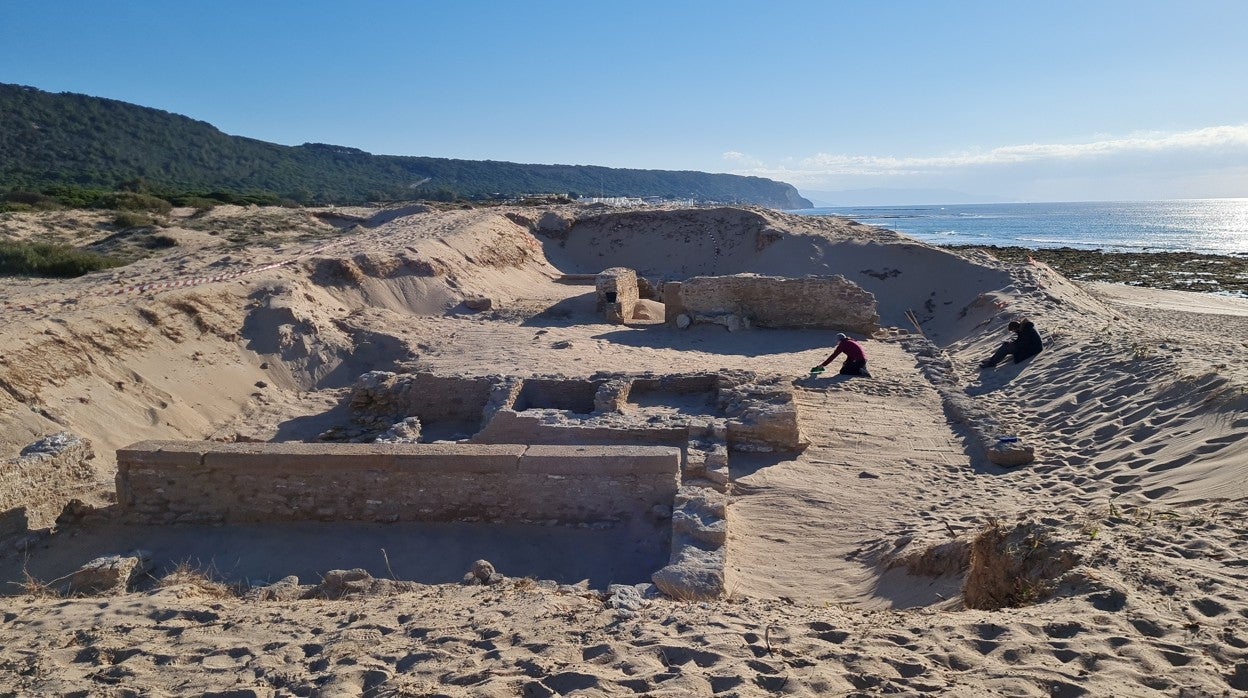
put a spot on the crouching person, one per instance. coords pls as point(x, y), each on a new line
point(855, 358)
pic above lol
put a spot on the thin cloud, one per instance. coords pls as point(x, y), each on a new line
point(742, 159)
point(1217, 139)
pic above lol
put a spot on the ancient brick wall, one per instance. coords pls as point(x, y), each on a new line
point(617, 294)
point(35, 486)
point(546, 427)
point(744, 300)
point(177, 481)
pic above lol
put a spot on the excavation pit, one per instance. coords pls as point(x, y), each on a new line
point(556, 394)
point(676, 395)
point(639, 461)
point(423, 512)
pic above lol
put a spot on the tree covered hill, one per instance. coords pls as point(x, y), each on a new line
point(49, 140)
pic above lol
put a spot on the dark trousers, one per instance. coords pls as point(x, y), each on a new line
point(1006, 349)
point(852, 368)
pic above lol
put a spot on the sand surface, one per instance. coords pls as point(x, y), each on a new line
point(844, 575)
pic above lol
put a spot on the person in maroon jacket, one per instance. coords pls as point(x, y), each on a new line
point(855, 358)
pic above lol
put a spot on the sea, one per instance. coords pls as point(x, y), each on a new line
point(1209, 226)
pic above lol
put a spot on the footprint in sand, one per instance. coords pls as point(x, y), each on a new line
point(1176, 655)
point(1063, 631)
point(598, 654)
point(569, 681)
point(1210, 607)
point(724, 684)
point(908, 670)
point(1161, 420)
point(1148, 627)
point(1142, 433)
point(1106, 432)
point(229, 659)
point(1170, 465)
point(1209, 447)
point(1109, 600)
point(1066, 656)
point(678, 656)
point(1139, 414)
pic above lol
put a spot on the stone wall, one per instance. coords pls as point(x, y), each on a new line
point(35, 486)
point(198, 482)
point(567, 394)
point(762, 416)
point(617, 294)
point(745, 300)
point(603, 409)
point(551, 427)
point(429, 396)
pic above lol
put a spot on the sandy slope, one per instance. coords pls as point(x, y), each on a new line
point(1137, 409)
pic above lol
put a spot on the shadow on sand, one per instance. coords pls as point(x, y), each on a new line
point(713, 339)
point(574, 310)
point(430, 553)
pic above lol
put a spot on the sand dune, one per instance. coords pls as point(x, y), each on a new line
point(869, 563)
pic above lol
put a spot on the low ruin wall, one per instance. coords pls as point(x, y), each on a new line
point(35, 486)
point(617, 294)
point(545, 427)
point(743, 300)
point(202, 482)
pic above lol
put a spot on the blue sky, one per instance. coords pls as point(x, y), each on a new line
point(1087, 100)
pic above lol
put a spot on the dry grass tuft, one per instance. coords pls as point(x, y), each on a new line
point(197, 579)
point(36, 588)
point(1015, 566)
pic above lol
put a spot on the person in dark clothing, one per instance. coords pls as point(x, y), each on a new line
point(1024, 346)
point(855, 358)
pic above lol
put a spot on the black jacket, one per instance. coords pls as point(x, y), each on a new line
point(1028, 343)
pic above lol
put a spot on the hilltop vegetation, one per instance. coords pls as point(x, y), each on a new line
point(68, 140)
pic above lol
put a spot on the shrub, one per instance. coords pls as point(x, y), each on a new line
point(135, 201)
point(76, 197)
point(41, 259)
point(199, 203)
point(160, 242)
point(132, 219)
point(30, 199)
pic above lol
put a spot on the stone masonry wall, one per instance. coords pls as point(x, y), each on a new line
point(549, 427)
point(426, 395)
point(35, 486)
point(743, 300)
point(617, 294)
point(208, 482)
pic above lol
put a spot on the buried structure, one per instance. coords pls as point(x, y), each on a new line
point(641, 452)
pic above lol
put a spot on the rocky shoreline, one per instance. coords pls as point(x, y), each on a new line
point(1172, 271)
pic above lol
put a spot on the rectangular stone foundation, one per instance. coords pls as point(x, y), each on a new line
point(201, 482)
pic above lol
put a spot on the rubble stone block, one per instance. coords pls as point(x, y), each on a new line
point(110, 574)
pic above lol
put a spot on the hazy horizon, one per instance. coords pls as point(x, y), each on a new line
point(1065, 101)
point(857, 198)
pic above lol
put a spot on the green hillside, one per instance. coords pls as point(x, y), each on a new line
point(49, 140)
